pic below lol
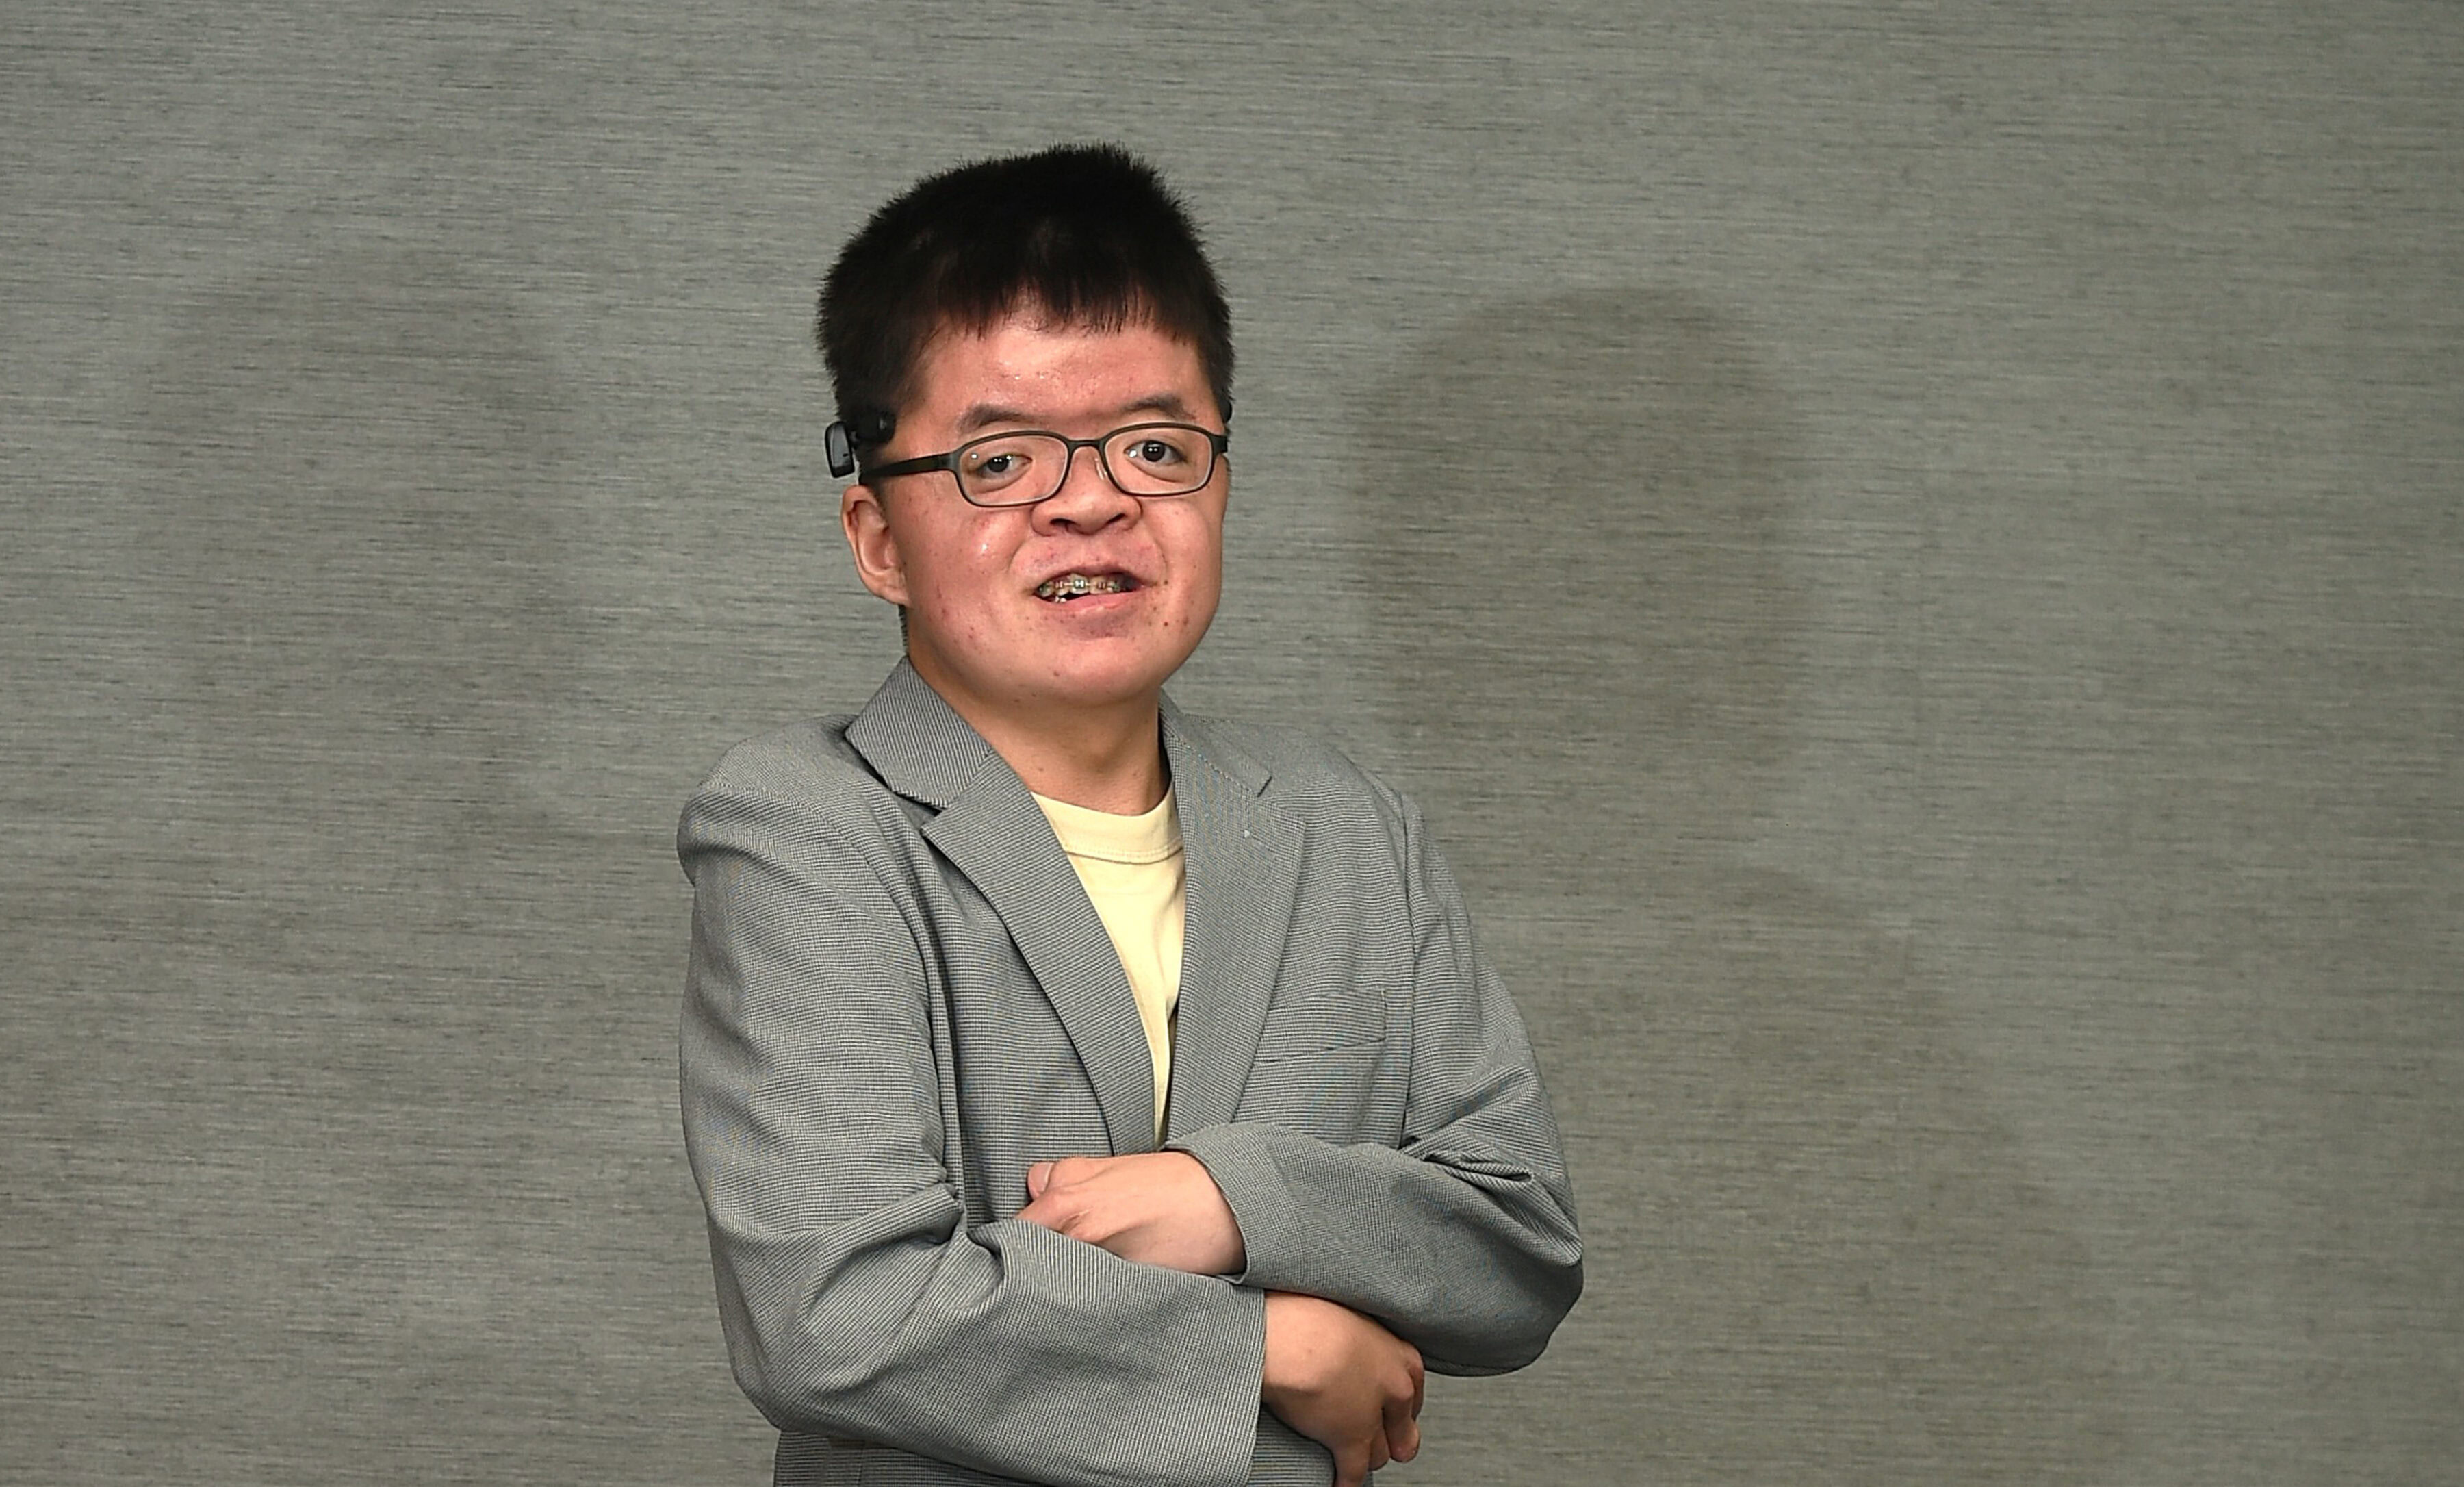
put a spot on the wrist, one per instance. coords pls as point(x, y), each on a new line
point(1253, 1194)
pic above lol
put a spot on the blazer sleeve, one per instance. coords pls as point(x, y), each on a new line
point(856, 1298)
point(1463, 1239)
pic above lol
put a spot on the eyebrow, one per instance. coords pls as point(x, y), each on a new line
point(983, 415)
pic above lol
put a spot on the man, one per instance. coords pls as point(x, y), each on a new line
point(1080, 1091)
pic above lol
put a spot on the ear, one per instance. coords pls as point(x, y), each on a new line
point(875, 548)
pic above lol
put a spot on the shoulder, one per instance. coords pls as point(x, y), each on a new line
point(801, 782)
point(804, 760)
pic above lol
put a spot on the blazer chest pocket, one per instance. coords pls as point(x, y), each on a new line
point(1305, 1022)
point(1320, 1067)
point(1340, 1091)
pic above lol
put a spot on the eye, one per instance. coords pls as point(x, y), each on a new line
point(1160, 449)
point(995, 463)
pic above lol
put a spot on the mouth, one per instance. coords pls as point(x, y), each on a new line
point(1062, 588)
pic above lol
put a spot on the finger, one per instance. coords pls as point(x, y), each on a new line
point(1402, 1435)
point(1406, 1445)
point(1350, 1466)
point(1037, 1177)
point(1053, 1211)
point(1420, 1382)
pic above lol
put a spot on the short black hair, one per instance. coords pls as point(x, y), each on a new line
point(1089, 233)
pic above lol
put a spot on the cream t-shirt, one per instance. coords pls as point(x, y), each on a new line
point(1133, 870)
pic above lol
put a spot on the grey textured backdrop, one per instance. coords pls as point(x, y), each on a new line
point(1916, 553)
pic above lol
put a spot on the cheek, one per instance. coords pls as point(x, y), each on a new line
point(1202, 587)
point(953, 572)
point(1206, 564)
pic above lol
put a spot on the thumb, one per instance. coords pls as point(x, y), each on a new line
point(1037, 1176)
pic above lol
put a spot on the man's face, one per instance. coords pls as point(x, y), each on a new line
point(977, 629)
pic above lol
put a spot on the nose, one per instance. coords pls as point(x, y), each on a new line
point(1088, 499)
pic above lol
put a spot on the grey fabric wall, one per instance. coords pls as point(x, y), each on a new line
point(1915, 552)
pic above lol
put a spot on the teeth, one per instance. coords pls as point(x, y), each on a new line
point(1070, 585)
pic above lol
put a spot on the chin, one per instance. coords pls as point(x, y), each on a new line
point(1107, 686)
point(1088, 672)
point(1104, 674)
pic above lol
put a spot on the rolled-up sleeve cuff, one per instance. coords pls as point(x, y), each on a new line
point(1239, 1158)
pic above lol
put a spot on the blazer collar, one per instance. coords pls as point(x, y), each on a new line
point(1241, 856)
point(916, 743)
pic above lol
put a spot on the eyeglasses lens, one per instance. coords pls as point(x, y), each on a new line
point(1143, 460)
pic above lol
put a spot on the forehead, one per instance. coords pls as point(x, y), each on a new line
point(1028, 367)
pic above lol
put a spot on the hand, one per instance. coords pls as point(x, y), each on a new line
point(1159, 1208)
point(1343, 1381)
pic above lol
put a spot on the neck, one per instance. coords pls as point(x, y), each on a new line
point(1116, 764)
point(1104, 757)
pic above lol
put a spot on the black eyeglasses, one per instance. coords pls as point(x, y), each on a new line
point(1030, 465)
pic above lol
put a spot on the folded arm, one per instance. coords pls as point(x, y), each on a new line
point(1462, 1238)
point(1331, 1373)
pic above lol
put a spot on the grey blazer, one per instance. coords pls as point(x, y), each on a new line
point(899, 997)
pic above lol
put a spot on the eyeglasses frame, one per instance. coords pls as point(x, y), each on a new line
point(926, 464)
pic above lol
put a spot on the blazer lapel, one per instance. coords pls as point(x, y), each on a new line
point(1244, 863)
point(991, 830)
